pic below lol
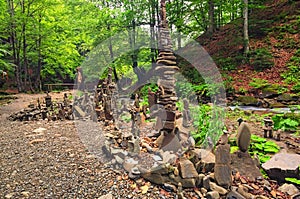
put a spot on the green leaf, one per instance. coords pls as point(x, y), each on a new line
point(255, 138)
point(234, 149)
point(293, 180)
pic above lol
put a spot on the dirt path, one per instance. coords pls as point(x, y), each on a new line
point(41, 159)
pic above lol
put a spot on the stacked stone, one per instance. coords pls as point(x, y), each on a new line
point(166, 68)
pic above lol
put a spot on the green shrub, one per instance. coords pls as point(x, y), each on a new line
point(259, 146)
point(208, 122)
point(286, 122)
point(259, 83)
point(261, 59)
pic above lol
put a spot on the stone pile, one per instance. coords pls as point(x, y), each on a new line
point(105, 99)
point(45, 109)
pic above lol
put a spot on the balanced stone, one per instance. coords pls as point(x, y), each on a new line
point(243, 137)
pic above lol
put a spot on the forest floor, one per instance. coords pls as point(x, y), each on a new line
point(41, 159)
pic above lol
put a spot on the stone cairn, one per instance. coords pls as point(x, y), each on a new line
point(45, 109)
point(268, 128)
point(166, 97)
point(105, 99)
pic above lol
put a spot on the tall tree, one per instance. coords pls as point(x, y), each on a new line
point(246, 36)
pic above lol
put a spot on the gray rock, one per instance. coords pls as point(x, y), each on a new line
point(245, 165)
point(223, 154)
point(212, 195)
point(154, 178)
point(222, 169)
point(234, 195)
point(187, 169)
point(160, 169)
point(223, 175)
point(214, 187)
point(171, 142)
point(169, 157)
point(129, 163)
point(290, 189)
point(283, 165)
point(244, 192)
point(243, 137)
point(188, 182)
point(204, 159)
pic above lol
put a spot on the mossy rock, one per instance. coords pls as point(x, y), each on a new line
point(286, 98)
point(247, 100)
point(269, 92)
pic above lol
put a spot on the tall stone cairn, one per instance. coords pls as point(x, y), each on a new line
point(166, 68)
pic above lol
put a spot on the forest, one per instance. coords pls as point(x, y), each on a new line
point(45, 41)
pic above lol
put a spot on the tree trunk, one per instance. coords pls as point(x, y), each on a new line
point(152, 32)
point(13, 43)
point(211, 14)
point(37, 83)
point(246, 36)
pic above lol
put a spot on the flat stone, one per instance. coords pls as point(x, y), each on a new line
point(187, 169)
point(243, 137)
point(162, 68)
point(290, 189)
point(245, 165)
point(283, 165)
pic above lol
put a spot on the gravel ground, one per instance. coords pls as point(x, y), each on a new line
point(53, 162)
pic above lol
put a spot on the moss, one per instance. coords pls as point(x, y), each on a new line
point(247, 100)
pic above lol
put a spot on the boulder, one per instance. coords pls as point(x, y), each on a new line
point(283, 165)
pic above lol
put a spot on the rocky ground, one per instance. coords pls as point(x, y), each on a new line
point(41, 159)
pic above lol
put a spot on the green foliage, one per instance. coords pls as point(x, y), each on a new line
point(259, 147)
point(227, 63)
point(259, 83)
point(293, 180)
point(209, 124)
point(261, 59)
point(286, 122)
point(293, 73)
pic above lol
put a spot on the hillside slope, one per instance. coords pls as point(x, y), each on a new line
point(274, 40)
